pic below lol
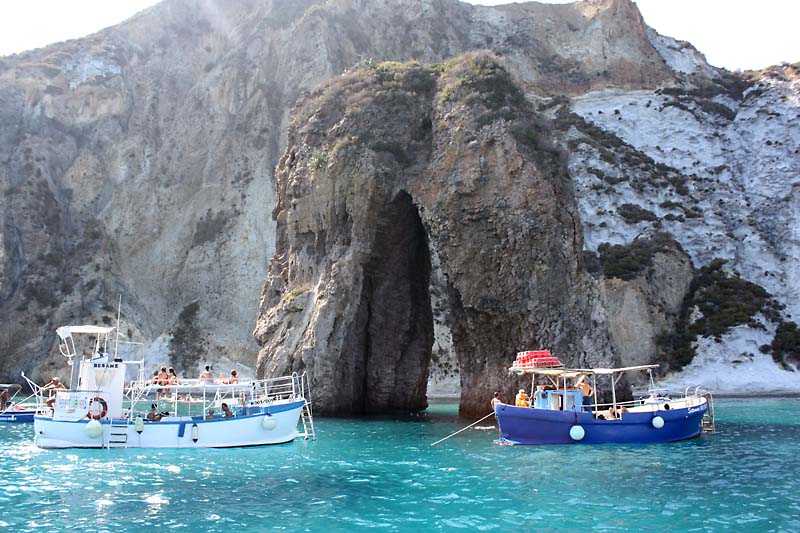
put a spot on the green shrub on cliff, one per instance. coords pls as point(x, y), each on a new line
point(628, 261)
point(724, 301)
point(785, 347)
point(478, 77)
point(633, 214)
point(186, 346)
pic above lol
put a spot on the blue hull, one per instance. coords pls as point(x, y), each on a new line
point(522, 425)
point(17, 416)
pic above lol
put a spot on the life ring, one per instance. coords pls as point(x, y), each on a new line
point(103, 411)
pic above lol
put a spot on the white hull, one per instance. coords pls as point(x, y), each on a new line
point(174, 432)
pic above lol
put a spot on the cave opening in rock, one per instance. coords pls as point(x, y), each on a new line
point(394, 324)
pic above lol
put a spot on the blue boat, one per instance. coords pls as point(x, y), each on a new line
point(14, 411)
point(566, 411)
point(13, 415)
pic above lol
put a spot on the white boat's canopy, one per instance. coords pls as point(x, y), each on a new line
point(577, 372)
point(67, 331)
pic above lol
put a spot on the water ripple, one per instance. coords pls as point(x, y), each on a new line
point(381, 473)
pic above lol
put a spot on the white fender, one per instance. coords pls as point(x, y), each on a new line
point(138, 424)
point(93, 429)
point(269, 422)
point(658, 422)
point(576, 432)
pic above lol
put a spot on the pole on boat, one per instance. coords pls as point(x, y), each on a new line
point(116, 335)
point(462, 429)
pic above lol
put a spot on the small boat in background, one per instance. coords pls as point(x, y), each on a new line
point(13, 410)
point(566, 409)
point(100, 411)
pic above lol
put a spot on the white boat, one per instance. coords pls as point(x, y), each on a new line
point(100, 411)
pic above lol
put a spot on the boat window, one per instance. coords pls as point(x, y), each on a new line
point(555, 402)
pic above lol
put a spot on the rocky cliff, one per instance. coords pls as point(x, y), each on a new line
point(140, 162)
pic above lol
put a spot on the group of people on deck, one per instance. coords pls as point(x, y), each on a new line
point(165, 376)
point(522, 399)
point(207, 376)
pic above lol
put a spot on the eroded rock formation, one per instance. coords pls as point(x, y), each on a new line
point(386, 165)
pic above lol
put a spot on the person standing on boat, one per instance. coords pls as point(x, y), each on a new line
point(521, 399)
point(207, 376)
point(586, 392)
point(496, 400)
point(163, 377)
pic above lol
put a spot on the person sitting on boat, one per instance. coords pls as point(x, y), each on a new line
point(53, 385)
point(617, 413)
point(521, 399)
point(234, 379)
point(221, 379)
point(211, 415)
point(153, 415)
point(206, 376)
point(227, 411)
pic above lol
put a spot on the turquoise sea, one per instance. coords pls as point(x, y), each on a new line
point(383, 474)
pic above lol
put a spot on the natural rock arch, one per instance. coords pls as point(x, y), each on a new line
point(385, 165)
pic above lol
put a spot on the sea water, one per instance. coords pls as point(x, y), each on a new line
point(383, 474)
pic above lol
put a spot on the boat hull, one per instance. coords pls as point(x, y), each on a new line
point(12, 416)
point(238, 431)
point(521, 425)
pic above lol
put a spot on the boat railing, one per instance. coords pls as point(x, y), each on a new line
point(212, 394)
point(40, 394)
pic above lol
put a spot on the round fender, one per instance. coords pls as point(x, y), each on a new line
point(577, 433)
point(269, 422)
point(93, 429)
point(658, 422)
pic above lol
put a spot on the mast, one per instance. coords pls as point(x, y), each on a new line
point(116, 336)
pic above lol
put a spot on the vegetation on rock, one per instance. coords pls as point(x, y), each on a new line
point(186, 346)
point(716, 302)
point(629, 261)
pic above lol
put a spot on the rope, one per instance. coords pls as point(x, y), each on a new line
point(462, 429)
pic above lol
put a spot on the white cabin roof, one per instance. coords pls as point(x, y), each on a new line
point(67, 331)
point(575, 372)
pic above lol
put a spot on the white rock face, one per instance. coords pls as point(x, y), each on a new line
point(735, 366)
point(744, 182)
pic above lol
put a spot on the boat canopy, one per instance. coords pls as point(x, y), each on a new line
point(67, 331)
point(577, 372)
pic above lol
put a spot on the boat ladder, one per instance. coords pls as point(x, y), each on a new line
point(118, 434)
point(308, 422)
point(708, 418)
